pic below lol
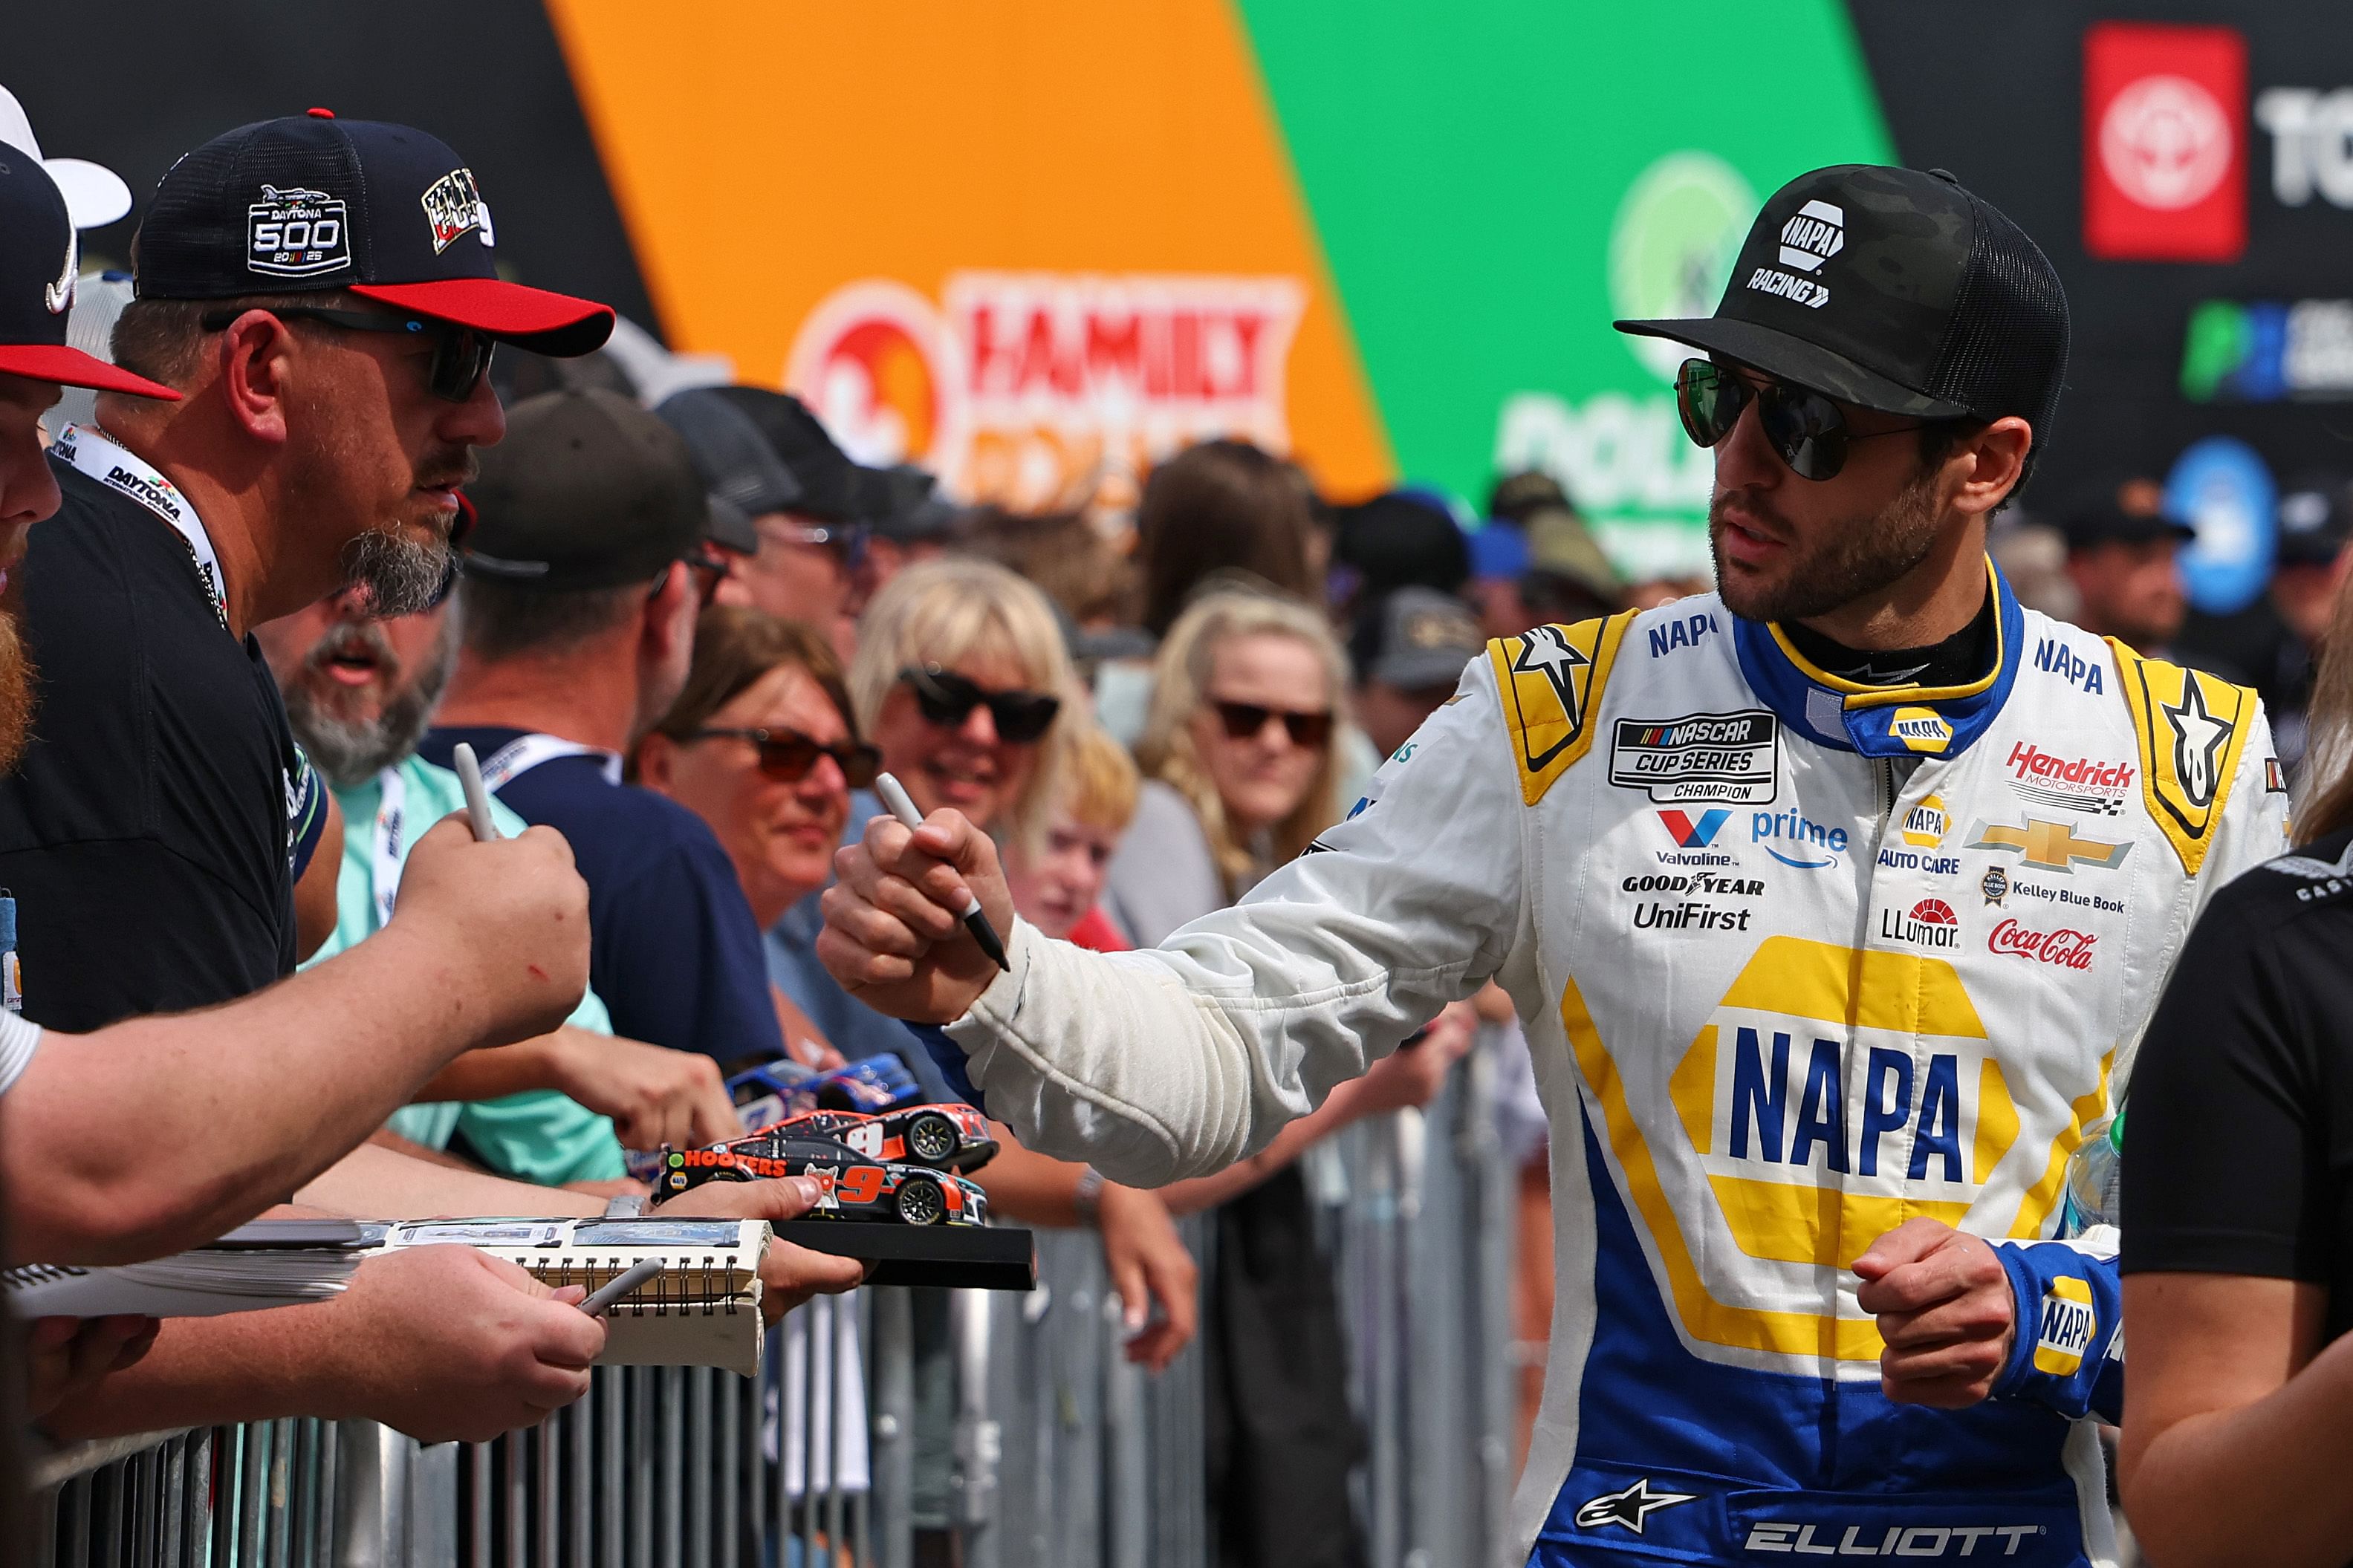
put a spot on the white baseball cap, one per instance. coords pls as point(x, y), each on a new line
point(95, 195)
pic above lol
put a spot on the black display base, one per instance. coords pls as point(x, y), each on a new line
point(972, 1258)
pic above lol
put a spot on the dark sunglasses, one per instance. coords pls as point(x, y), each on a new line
point(462, 356)
point(1247, 720)
point(947, 699)
point(1805, 427)
point(788, 755)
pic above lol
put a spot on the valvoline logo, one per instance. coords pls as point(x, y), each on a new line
point(1809, 844)
point(1689, 835)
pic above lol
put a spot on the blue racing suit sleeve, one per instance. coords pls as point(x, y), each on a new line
point(950, 1058)
point(2068, 1354)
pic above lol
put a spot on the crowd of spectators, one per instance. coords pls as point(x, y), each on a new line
point(297, 547)
point(299, 551)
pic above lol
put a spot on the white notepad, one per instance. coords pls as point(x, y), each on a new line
point(270, 1263)
point(701, 1310)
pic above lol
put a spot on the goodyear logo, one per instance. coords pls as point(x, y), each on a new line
point(2068, 1325)
point(1921, 729)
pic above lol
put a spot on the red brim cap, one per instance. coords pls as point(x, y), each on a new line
point(71, 367)
point(555, 324)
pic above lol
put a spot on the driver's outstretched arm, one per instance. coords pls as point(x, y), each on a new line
point(1179, 1061)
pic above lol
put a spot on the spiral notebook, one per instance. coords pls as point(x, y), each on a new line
point(701, 1310)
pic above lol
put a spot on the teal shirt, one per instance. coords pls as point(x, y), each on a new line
point(538, 1135)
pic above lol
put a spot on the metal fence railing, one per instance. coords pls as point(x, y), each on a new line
point(1009, 1423)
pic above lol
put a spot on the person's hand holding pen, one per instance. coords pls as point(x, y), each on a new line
point(895, 933)
point(500, 929)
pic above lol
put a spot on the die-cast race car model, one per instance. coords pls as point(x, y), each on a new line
point(855, 1187)
point(771, 1091)
point(950, 1137)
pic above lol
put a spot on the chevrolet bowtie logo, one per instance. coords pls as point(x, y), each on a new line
point(2051, 846)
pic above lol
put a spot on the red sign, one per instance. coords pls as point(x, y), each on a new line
point(2165, 142)
point(2069, 948)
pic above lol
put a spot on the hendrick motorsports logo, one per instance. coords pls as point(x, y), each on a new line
point(1730, 757)
point(2079, 784)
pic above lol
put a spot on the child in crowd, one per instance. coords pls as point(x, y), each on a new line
point(1057, 879)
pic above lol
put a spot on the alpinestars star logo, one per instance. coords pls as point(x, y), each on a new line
point(2197, 739)
point(1628, 1507)
point(1547, 651)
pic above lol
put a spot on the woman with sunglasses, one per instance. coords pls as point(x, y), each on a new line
point(759, 745)
point(959, 677)
point(1241, 750)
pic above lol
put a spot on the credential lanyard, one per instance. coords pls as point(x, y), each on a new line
point(525, 752)
point(93, 452)
point(384, 843)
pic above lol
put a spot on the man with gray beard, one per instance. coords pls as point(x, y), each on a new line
point(323, 295)
point(359, 694)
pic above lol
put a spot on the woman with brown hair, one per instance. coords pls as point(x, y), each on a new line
point(2238, 1216)
point(1222, 507)
point(1241, 750)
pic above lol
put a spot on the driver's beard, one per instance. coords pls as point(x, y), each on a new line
point(400, 576)
point(16, 693)
point(1856, 558)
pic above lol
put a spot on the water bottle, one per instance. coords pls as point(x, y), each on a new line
point(12, 995)
point(2095, 1178)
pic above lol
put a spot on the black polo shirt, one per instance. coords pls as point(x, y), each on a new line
point(2237, 1146)
point(145, 833)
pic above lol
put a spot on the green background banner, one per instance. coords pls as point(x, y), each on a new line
point(1477, 171)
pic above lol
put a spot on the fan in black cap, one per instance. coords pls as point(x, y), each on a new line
point(589, 491)
point(38, 264)
point(311, 202)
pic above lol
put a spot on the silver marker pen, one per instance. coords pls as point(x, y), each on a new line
point(894, 796)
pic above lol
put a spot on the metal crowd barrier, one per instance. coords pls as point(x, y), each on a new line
point(1053, 1450)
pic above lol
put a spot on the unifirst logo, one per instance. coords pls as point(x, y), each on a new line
point(1815, 234)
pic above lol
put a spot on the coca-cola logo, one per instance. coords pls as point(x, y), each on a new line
point(2068, 948)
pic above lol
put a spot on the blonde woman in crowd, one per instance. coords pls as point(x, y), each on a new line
point(962, 681)
point(1240, 747)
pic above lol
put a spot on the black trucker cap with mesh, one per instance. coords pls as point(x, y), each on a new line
point(1894, 289)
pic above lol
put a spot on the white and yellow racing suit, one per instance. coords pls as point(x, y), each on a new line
point(1800, 960)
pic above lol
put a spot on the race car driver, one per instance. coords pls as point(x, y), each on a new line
point(1833, 903)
